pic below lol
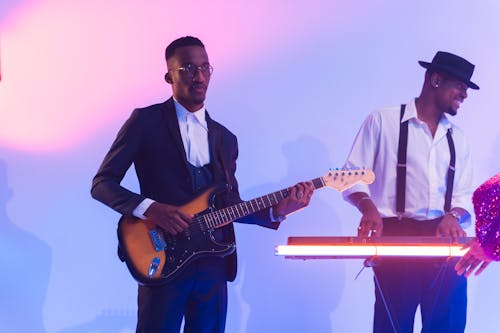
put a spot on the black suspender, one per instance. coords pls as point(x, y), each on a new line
point(451, 172)
point(401, 167)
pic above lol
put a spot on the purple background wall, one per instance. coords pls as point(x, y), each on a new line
point(293, 80)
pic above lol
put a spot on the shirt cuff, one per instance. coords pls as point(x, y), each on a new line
point(142, 208)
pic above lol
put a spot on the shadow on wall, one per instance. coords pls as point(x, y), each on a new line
point(109, 321)
point(272, 287)
point(25, 261)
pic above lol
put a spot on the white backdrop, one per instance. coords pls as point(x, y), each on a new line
point(293, 80)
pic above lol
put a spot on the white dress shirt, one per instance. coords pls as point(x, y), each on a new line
point(428, 158)
point(194, 133)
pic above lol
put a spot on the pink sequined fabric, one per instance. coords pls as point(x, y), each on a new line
point(486, 200)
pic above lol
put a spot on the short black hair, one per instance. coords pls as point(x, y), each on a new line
point(443, 74)
point(181, 42)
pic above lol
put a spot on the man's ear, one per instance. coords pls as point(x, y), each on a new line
point(168, 78)
point(435, 80)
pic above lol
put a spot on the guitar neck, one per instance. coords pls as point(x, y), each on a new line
point(223, 216)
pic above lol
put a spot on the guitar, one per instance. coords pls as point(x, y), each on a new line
point(154, 257)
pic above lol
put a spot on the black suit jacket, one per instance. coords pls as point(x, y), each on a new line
point(150, 140)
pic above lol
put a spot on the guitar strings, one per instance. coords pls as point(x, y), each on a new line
point(221, 217)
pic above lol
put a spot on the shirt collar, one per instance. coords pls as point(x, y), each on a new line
point(411, 113)
point(182, 113)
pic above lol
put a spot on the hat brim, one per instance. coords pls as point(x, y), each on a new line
point(428, 65)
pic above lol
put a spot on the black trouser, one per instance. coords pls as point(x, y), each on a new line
point(403, 284)
point(199, 295)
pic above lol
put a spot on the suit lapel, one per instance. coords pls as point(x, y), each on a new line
point(215, 142)
point(213, 138)
point(173, 128)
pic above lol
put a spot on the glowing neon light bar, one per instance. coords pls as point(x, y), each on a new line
point(354, 247)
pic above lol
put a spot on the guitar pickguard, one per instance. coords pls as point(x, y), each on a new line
point(190, 246)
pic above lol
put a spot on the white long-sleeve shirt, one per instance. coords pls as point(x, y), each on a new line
point(428, 158)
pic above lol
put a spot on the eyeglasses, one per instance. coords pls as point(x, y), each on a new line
point(191, 69)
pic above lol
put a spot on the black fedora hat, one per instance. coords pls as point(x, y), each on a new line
point(453, 65)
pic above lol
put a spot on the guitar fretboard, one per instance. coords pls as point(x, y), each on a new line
point(224, 216)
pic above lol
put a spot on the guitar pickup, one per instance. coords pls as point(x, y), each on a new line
point(157, 240)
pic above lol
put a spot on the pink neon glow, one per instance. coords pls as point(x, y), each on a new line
point(354, 251)
point(71, 67)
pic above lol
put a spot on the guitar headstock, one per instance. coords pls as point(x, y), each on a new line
point(342, 179)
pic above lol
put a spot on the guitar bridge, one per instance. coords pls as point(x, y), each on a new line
point(157, 239)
